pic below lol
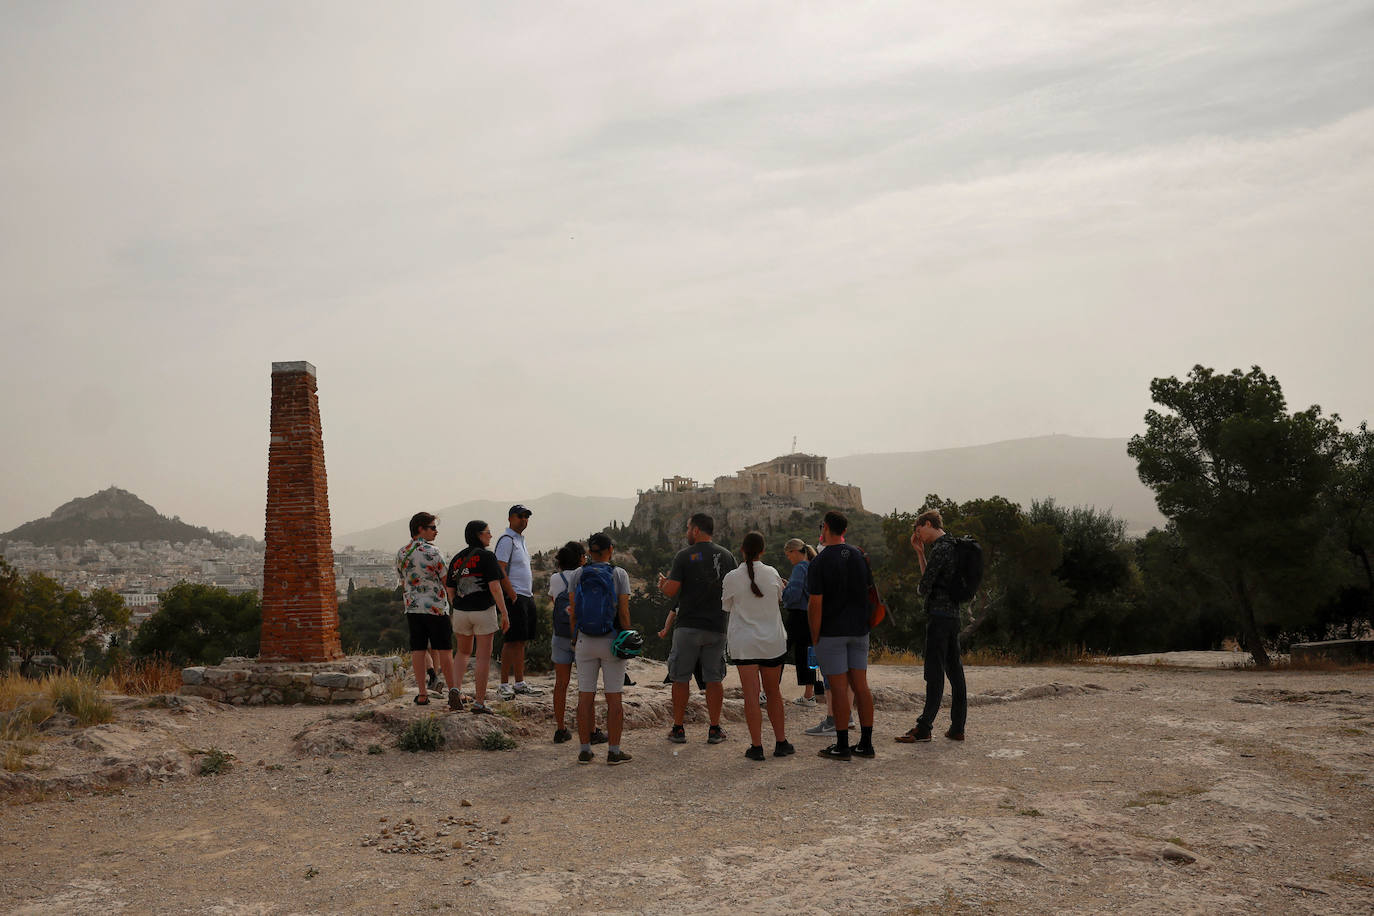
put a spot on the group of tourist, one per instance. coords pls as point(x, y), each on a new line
point(724, 609)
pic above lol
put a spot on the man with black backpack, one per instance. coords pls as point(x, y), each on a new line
point(945, 585)
point(598, 606)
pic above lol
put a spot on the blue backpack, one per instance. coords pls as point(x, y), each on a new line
point(596, 599)
point(562, 626)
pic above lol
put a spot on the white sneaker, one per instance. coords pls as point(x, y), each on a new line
point(526, 690)
point(506, 692)
point(805, 701)
point(763, 698)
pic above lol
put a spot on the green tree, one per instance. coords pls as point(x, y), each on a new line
point(1242, 481)
point(373, 620)
point(1351, 498)
point(201, 624)
point(38, 616)
point(1095, 567)
point(9, 609)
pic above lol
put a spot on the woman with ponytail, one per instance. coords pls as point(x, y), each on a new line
point(757, 643)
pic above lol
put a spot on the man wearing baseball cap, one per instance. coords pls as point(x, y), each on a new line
point(514, 558)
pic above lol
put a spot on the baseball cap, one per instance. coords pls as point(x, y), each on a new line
point(518, 509)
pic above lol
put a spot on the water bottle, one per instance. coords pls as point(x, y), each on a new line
point(811, 660)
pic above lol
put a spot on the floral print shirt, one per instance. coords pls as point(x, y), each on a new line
point(421, 568)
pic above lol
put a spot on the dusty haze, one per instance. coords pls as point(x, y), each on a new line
point(546, 249)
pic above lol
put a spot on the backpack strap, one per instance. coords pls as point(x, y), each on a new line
point(498, 544)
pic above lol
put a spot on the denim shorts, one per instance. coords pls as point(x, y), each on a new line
point(562, 650)
point(842, 654)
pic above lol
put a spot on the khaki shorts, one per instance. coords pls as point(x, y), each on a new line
point(476, 623)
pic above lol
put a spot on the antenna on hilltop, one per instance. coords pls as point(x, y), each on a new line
point(794, 445)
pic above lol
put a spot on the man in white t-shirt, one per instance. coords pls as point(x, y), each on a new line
point(514, 558)
point(603, 593)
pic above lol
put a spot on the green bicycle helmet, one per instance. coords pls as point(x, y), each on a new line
point(627, 644)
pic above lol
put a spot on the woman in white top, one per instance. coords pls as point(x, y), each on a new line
point(757, 642)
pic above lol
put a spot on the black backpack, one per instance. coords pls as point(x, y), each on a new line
point(968, 569)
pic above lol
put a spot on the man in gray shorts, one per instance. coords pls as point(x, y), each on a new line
point(598, 605)
point(838, 581)
point(695, 580)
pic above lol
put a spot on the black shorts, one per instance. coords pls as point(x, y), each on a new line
point(761, 662)
point(523, 619)
point(430, 631)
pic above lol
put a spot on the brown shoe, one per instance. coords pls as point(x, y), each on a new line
point(911, 737)
point(954, 736)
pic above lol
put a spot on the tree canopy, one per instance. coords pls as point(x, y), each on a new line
point(201, 624)
point(1246, 485)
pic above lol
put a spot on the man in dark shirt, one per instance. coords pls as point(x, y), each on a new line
point(935, 550)
point(699, 636)
point(838, 581)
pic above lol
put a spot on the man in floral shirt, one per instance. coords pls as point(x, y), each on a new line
point(421, 569)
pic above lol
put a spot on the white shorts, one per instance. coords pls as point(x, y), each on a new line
point(594, 655)
point(476, 623)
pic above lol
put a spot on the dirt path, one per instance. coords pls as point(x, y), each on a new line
point(1079, 790)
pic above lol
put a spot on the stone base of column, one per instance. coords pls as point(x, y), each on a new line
point(250, 682)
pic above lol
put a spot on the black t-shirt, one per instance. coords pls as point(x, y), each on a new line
point(470, 574)
point(840, 575)
point(700, 568)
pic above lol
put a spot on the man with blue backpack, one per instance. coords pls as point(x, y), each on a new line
point(598, 607)
point(950, 572)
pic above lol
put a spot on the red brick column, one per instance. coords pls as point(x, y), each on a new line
point(300, 611)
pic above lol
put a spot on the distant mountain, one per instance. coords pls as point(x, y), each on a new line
point(557, 518)
point(111, 516)
point(1075, 471)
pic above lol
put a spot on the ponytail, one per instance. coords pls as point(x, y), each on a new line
point(752, 548)
point(805, 549)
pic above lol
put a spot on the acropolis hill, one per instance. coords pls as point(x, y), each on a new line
point(769, 491)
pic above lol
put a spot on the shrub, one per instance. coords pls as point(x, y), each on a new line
point(421, 735)
point(497, 741)
point(216, 761)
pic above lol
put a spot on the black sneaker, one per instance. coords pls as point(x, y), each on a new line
point(584, 756)
point(562, 735)
point(677, 735)
point(455, 699)
point(716, 735)
point(615, 758)
point(598, 737)
point(863, 750)
point(783, 749)
point(834, 752)
point(755, 752)
point(431, 679)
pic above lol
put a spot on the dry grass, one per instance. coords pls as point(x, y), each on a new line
point(25, 700)
point(79, 695)
point(144, 677)
point(889, 656)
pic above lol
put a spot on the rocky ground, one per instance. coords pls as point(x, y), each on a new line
point(1083, 789)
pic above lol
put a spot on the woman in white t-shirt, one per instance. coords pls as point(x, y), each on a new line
point(757, 642)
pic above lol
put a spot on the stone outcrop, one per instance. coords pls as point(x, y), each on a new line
point(249, 682)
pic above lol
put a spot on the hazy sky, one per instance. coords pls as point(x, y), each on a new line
point(537, 247)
